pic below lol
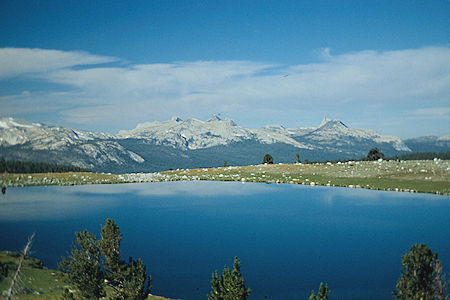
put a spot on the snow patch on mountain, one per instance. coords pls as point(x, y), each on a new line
point(272, 134)
point(335, 134)
point(99, 147)
point(11, 120)
point(194, 134)
point(3, 125)
point(332, 139)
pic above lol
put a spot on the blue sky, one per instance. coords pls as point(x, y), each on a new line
point(108, 65)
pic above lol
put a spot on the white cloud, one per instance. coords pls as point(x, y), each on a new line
point(389, 83)
point(433, 112)
point(20, 61)
point(325, 53)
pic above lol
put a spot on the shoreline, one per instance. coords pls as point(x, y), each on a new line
point(403, 176)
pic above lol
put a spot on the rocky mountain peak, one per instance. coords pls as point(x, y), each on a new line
point(176, 119)
point(214, 118)
point(275, 127)
point(21, 139)
point(326, 122)
point(229, 122)
point(7, 123)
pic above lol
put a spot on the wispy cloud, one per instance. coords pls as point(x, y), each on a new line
point(23, 61)
point(392, 82)
point(433, 112)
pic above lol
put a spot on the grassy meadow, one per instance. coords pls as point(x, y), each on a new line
point(424, 176)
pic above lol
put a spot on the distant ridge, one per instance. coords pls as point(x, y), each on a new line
point(177, 143)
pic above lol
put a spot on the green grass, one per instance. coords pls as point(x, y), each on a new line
point(417, 176)
point(37, 281)
point(425, 176)
point(407, 176)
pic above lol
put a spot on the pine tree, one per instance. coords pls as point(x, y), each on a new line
point(230, 285)
point(82, 268)
point(115, 268)
point(374, 154)
point(416, 280)
point(268, 159)
point(440, 284)
point(3, 168)
point(4, 270)
point(84, 272)
point(128, 280)
point(322, 294)
point(216, 286)
point(134, 284)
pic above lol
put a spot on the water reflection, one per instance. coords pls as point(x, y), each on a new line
point(289, 237)
point(55, 202)
point(37, 203)
point(193, 188)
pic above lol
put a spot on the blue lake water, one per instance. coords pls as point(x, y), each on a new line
point(289, 237)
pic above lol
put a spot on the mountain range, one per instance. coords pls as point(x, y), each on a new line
point(177, 143)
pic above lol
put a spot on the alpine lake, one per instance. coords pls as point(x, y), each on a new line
point(289, 238)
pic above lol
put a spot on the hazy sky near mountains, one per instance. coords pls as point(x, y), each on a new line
point(108, 65)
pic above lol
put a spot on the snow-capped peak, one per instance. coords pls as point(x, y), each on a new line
point(275, 127)
point(176, 119)
point(195, 134)
point(7, 123)
point(329, 122)
point(332, 136)
point(324, 121)
point(214, 118)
